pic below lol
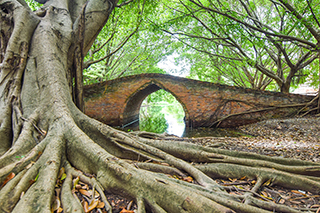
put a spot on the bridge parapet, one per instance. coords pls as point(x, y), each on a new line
point(117, 102)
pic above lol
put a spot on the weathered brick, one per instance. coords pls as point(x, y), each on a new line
point(117, 102)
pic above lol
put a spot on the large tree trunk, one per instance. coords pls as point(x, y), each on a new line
point(42, 132)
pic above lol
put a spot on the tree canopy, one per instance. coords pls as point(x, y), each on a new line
point(257, 44)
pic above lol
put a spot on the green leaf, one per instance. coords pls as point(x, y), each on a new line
point(64, 175)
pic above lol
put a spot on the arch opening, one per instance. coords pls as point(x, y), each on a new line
point(131, 114)
point(161, 112)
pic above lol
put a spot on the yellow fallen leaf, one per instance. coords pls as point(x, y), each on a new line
point(175, 177)
point(56, 205)
point(269, 198)
point(267, 183)
point(100, 205)
point(76, 182)
point(61, 172)
point(126, 211)
point(92, 205)
point(85, 192)
point(37, 177)
point(64, 175)
point(188, 179)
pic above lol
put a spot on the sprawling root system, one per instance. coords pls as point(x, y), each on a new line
point(139, 168)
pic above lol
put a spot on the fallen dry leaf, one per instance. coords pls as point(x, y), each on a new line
point(85, 206)
point(265, 195)
point(8, 178)
point(76, 183)
point(93, 205)
point(61, 172)
point(100, 205)
point(295, 202)
point(188, 179)
point(85, 192)
point(267, 183)
point(56, 205)
point(298, 192)
point(126, 211)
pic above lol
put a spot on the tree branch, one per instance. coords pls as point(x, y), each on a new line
point(256, 28)
point(306, 23)
point(89, 63)
point(124, 3)
point(314, 16)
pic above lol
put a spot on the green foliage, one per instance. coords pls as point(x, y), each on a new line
point(313, 78)
point(153, 123)
point(33, 4)
point(156, 107)
point(161, 96)
point(243, 43)
point(258, 44)
point(129, 44)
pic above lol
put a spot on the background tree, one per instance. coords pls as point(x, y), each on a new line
point(45, 136)
point(127, 45)
point(250, 43)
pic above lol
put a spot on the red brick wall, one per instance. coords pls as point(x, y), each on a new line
point(117, 102)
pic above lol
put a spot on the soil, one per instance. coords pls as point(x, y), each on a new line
point(295, 138)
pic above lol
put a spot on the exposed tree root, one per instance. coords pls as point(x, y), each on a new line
point(309, 104)
point(304, 107)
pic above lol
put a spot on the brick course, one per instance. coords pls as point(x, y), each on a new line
point(117, 102)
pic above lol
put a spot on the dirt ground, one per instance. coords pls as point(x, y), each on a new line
point(296, 138)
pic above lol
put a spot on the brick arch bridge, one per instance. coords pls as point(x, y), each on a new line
point(117, 102)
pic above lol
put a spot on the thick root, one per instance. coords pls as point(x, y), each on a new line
point(39, 197)
point(287, 180)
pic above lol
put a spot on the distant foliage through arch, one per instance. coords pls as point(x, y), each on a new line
point(159, 111)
